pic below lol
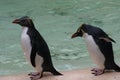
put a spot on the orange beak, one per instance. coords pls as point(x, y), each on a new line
point(74, 35)
point(16, 21)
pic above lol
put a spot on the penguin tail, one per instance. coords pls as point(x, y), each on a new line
point(55, 72)
point(117, 68)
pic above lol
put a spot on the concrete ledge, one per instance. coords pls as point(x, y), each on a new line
point(69, 75)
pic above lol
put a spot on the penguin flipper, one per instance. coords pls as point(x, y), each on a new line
point(107, 39)
point(112, 40)
point(32, 56)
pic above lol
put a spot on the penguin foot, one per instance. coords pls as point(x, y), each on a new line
point(34, 74)
point(35, 77)
point(97, 71)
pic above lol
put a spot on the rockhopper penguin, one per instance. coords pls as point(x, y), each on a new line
point(35, 49)
point(99, 45)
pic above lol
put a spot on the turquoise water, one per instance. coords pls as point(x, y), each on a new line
point(56, 20)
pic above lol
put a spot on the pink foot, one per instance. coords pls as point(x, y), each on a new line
point(34, 75)
point(97, 71)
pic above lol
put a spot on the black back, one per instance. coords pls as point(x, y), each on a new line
point(95, 32)
point(39, 46)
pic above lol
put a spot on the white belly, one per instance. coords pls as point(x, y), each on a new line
point(94, 51)
point(26, 46)
point(25, 42)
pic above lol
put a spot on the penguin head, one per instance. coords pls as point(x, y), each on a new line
point(24, 21)
point(80, 31)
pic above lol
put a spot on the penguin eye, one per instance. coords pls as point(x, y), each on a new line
point(78, 31)
point(22, 20)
